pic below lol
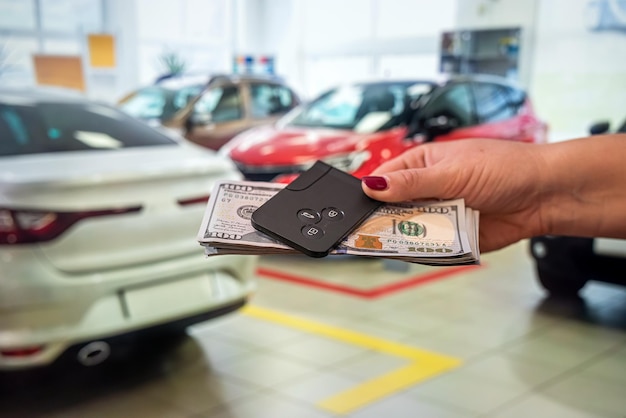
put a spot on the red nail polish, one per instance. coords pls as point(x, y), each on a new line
point(375, 182)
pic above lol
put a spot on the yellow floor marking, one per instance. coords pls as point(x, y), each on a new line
point(424, 364)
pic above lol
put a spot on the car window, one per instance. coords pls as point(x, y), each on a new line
point(160, 103)
point(184, 95)
point(269, 99)
point(147, 103)
point(493, 103)
point(364, 108)
point(52, 127)
point(453, 103)
point(220, 104)
point(334, 109)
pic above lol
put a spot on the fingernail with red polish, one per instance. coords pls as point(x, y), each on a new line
point(375, 182)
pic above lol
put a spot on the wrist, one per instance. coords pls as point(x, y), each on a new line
point(582, 187)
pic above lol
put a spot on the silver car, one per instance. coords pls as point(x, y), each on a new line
point(98, 221)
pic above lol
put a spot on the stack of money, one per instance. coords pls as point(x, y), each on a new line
point(442, 233)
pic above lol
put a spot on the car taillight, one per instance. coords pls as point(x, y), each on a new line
point(22, 351)
point(193, 200)
point(22, 226)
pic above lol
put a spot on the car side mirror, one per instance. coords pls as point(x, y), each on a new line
point(200, 118)
point(197, 119)
point(440, 125)
point(599, 128)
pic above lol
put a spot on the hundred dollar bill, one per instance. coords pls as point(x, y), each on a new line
point(425, 232)
point(229, 210)
point(435, 228)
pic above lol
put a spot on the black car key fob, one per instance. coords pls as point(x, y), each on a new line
point(316, 210)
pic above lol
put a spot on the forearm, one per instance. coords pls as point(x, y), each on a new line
point(583, 187)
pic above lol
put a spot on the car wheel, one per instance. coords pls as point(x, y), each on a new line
point(559, 284)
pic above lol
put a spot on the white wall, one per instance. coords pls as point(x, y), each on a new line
point(579, 75)
point(575, 76)
point(200, 31)
point(322, 43)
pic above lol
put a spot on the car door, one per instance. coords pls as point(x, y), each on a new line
point(447, 115)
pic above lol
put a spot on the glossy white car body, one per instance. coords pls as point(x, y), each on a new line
point(126, 257)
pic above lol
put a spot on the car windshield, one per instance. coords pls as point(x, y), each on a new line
point(157, 102)
point(53, 127)
point(364, 108)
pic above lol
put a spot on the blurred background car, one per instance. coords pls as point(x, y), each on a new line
point(210, 110)
point(99, 214)
point(604, 127)
point(564, 265)
point(359, 126)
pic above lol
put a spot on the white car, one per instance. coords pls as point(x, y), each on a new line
point(99, 215)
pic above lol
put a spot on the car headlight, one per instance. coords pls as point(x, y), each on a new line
point(348, 162)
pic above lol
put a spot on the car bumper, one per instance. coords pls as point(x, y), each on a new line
point(46, 308)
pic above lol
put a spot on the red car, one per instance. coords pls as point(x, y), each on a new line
point(359, 126)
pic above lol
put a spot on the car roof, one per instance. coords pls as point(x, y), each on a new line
point(485, 78)
point(439, 80)
point(41, 94)
point(188, 79)
point(388, 82)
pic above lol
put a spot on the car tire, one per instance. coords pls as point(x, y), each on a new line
point(559, 284)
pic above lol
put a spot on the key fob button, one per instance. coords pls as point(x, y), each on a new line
point(332, 214)
point(309, 216)
point(312, 232)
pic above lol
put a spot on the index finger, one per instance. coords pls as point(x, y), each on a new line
point(412, 158)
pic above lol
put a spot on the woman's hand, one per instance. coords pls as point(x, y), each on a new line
point(499, 178)
point(575, 187)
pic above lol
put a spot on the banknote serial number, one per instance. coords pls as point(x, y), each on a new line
point(398, 210)
point(418, 243)
point(228, 197)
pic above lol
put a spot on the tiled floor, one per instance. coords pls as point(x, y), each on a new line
point(334, 337)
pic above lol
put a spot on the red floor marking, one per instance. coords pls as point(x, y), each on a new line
point(441, 273)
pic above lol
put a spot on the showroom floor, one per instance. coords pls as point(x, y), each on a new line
point(356, 337)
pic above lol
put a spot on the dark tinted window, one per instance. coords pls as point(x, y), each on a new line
point(52, 127)
point(454, 103)
point(270, 99)
point(493, 102)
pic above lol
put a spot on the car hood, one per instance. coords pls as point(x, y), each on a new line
point(271, 145)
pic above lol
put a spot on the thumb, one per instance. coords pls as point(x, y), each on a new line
point(403, 185)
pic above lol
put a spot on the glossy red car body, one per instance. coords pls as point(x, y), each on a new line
point(281, 151)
